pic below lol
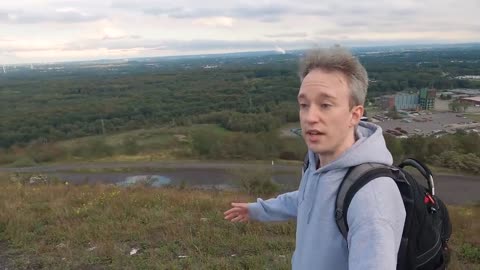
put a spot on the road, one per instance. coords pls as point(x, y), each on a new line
point(453, 189)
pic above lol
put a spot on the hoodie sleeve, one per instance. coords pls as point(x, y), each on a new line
point(281, 208)
point(375, 218)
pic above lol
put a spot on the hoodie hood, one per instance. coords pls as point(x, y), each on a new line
point(369, 147)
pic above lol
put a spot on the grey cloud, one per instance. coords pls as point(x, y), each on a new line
point(269, 13)
point(403, 12)
point(288, 35)
point(180, 45)
point(22, 17)
point(122, 37)
point(408, 11)
point(210, 45)
point(275, 13)
point(123, 43)
point(353, 23)
point(11, 48)
point(180, 13)
point(391, 26)
point(367, 10)
point(123, 4)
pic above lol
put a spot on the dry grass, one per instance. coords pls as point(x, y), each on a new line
point(62, 227)
point(96, 227)
point(466, 237)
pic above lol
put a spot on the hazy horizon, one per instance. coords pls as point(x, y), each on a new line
point(73, 30)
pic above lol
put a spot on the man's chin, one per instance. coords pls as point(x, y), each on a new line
point(317, 149)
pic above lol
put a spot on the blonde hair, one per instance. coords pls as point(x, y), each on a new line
point(342, 60)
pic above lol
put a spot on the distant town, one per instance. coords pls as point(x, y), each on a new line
point(427, 112)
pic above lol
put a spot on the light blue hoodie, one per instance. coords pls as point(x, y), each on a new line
point(375, 217)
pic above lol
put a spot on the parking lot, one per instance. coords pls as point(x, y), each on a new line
point(428, 124)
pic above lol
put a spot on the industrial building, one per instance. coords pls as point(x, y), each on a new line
point(424, 100)
point(471, 100)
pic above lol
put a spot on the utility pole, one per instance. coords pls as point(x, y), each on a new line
point(103, 127)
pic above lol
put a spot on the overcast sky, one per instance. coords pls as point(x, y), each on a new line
point(63, 30)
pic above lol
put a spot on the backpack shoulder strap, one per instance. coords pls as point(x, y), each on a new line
point(354, 180)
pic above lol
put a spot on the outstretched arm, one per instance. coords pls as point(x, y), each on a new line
point(281, 208)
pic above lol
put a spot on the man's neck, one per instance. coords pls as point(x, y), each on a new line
point(327, 158)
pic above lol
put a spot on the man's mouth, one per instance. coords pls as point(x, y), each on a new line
point(314, 132)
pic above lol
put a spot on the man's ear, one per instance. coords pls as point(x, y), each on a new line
point(356, 113)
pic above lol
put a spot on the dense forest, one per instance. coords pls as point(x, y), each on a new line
point(241, 93)
point(247, 95)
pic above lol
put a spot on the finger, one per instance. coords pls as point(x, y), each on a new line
point(244, 219)
point(236, 219)
point(232, 210)
point(231, 216)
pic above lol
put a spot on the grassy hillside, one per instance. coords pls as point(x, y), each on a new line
point(198, 141)
point(98, 227)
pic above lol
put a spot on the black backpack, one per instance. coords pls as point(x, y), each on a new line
point(427, 228)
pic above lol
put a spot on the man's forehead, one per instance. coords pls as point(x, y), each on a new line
point(320, 84)
point(321, 76)
point(316, 94)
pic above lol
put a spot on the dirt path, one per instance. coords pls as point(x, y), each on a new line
point(156, 165)
point(453, 189)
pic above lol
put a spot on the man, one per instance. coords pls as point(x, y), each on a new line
point(331, 97)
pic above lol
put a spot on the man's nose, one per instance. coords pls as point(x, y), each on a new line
point(313, 114)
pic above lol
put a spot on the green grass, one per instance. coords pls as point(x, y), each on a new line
point(146, 137)
point(23, 162)
point(290, 125)
point(96, 227)
point(448, 171)
point(373, 110)
point(156, 144)
point(61, 227)
point(466, 236)
point(474, 117)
